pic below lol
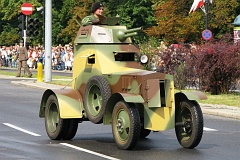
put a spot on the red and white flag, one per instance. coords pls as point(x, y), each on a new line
point(196, 4)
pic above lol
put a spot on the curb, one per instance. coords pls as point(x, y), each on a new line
point(221, 110)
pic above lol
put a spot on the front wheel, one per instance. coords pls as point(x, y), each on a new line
point(126, 125)
point(144, 133)
point(189, 124)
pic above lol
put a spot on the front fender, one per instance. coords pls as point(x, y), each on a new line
point(69, 101)
point(132, 98)
point(116, 97)
point(191, 95)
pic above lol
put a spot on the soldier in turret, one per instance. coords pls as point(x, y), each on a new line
point(97, 15)
point(22, 56)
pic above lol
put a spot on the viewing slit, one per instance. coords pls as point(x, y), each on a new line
point(162, 93)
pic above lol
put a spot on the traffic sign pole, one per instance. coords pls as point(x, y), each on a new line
point(26, 9)
point(24, 37)
point(206, 2)
point(25, 33)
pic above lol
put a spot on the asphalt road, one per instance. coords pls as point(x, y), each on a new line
point(23, 135)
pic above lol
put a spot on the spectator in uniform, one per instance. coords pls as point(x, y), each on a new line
point(4, 56)
point(97, 15)
point(22, 56)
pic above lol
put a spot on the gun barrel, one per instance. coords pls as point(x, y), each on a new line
point(123, 35)
point(133, 30)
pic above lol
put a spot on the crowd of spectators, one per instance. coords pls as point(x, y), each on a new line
point(62, 56)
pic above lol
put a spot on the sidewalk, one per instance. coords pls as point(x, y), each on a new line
point(221, 110)
point(217, 110)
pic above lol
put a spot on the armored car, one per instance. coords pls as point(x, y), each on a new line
point(111, 87)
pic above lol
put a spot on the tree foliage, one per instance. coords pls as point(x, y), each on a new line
point(217, 64)
point(9, 13)
point(79, 8)
point(213, 66)
point(167, 19)
point(134, 13)
point(64, 14)
point(176, 25)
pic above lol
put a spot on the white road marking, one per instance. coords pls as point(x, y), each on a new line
point(22, 130)
point(88, 151)
point(209, 129)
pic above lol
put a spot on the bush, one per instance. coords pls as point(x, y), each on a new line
point(213, 66)
point(217, 65)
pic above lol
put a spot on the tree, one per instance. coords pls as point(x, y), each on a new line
point(166, 19)
point(9, 13)
point(222, 14)
point(80, 8)
point(8, 36)
point(174, 22)
point(134, 13)
point(176, 25)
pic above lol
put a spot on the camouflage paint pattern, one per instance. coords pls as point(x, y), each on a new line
point(108, 51)
point(70, 103)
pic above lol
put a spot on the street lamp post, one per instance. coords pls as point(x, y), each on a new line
point(48, 41)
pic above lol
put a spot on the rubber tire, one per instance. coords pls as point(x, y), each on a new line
point(189, 111)
point(71, 129)
point(55, 126)
point(144, 132)
point(129, 117)
point(97, 92)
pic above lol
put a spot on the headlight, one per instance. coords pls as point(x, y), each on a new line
point(144, 59)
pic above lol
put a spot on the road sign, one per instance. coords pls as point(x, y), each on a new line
point(27, 8)
point(206, 34)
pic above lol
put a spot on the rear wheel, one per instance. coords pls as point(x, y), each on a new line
point(55, 126)
point(126, 125)
point(71, 129)
point(189, 124)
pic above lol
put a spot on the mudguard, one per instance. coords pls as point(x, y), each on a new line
point(69, 101)
point(191, 95)
point(134, 98)
point(127, 97)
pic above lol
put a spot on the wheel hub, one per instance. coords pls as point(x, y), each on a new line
point(120, 125)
